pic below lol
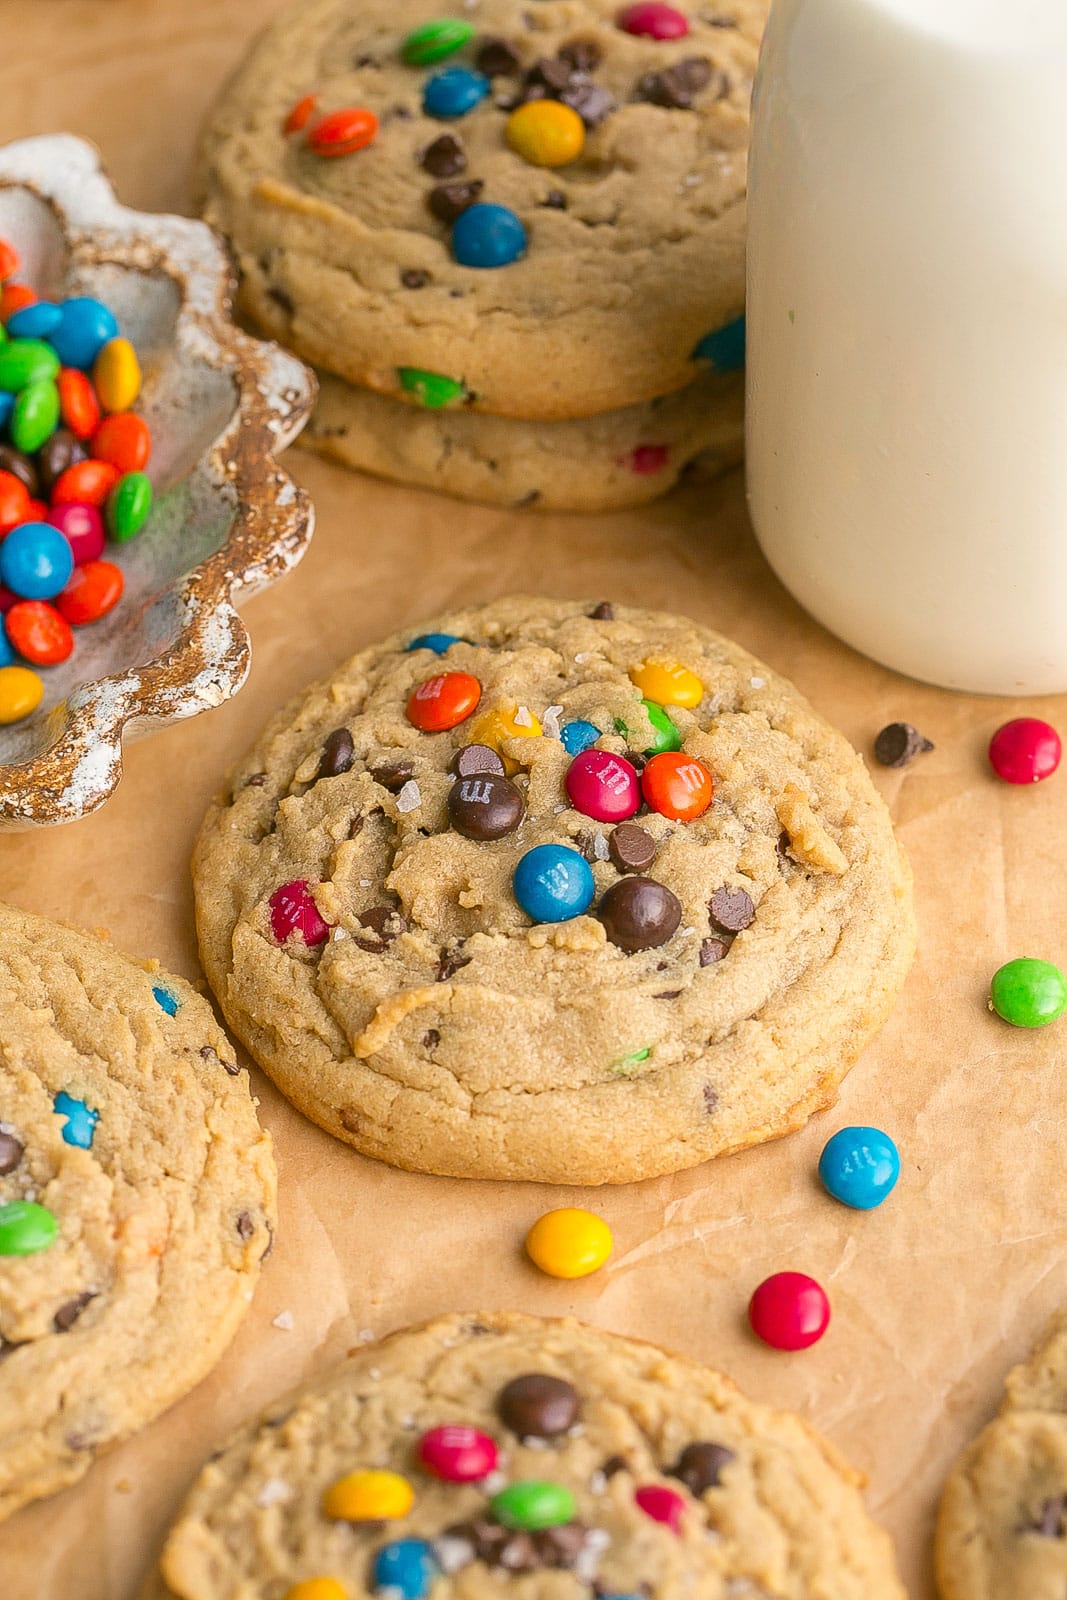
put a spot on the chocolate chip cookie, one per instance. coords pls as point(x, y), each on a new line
point(571, 892)
point(1002, 1528)
point(536, 211)
point(136, 1199)
point(516, 1456)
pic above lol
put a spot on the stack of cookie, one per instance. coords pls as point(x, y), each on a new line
point(510, 238)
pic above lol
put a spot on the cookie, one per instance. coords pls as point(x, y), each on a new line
point(571, 964)
point(1002, 1527)
point(623, 458)
point(630, 275)
point(518, 1456)
point(136, 1199)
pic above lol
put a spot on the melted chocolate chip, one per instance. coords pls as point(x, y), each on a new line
point(68, 1314)
point(256, 781)
point(393, 775)
point(667, 994)
point(614, 1465)
point(560, 1547)
point(383, 924)
point(11, 1150)
point(781, 846)
point(1051, 1522)
point(712, 951)
point(604, 612)
point(497, 58)
point(209, 1053)
point(731, 909)
point(591, 102)
point(550, 73)
point(586, 842)
point(639, 913)
point(632, 849)
point(474, 758)
point(282, 299)
point(582, 55)
point(245, 1226)
point(676, 86)
point(555, 200)
point(445, 157)
point(448, 201)
point(451, 962)
point(338, 753)
point(431, 1039)
point(21, 467)
point(58, 453)
point(414, 278)
point(537, 1406)
point(898, 744)
point(699, 1466)
point(485, 806)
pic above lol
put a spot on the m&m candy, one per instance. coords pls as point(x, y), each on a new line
point(93, 589)
point(39, 632)
point(83, 528)
point(317, 1589)
point(723, 348)
point(1028, 993)
point(458, 1453)
point(667, 682)
point(293, 911)
point(443, 702)
point(435, 40)
point(78, 405)
point(123, 440)
point(569, 1243)
point(677, 785)
point(553, 883)
point(34, 321)
point(454, 92)
point(661, 1503)
point(80, 1120)
point(653, 20)
point(87, 482)
point(488, 236)
point(502, 723)
point(84, 327)
point(25, 1228)
point(404, 1570)
point(545, 133)
point(1025, 750)
point(35, 561)
point(533, 1505)
point(665, 735)
point(603, 786)
point(300, 115)
point(437, 642)
point(117, 375)
point(342, 133)
point(21, 692)
point(371, 1496)
point(789, 1311)
point(860, 1167)
point(577, 736)
point(128, 506)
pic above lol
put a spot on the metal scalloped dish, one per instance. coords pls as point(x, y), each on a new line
point(227, 519)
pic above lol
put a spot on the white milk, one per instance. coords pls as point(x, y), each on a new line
point(907, 330)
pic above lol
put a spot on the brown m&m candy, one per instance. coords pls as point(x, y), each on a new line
point(699, 1466)
point(474, 758)
point(484, 806)
point(631, 848)
point(538, 1406)
point(639, 913)
point(10, 1153)
point(731, 909)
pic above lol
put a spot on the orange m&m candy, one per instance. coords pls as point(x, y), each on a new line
point(90, 482)
point(300, 115)
point(123, 440)
point(78, 406)
point(92, 590)
point(15, 297)
point(9, 260)
point(38, 632)
point(443, 702)
point(340, 133)
point(677, 785)
point(14, 502)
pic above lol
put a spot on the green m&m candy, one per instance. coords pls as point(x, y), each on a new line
point(665, 735)
point(432, 389)
point(25, 1228)
point(532, 1505)
point(433, 41)
point(128, 506)
point(24, 361)
point(1028, 993)
point(35, 416)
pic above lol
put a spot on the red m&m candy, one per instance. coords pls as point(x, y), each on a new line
point(37, 631)
point(15, 297)
point(458, 1454)
point(79, 409)
point(654, 20)
point(789, 1311)
point(443, 702)
point(292, 910)
point(14, 502)
point(124, 441)
point(341, 133)
point(300, 115)
point(9, 260)
point(83, 528)
point(661, 1504)
point(1025, 750)
point(603, 786)
point(677, 785)
point(89, 482)
point(92, 590)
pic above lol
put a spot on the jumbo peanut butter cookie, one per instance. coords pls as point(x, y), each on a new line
point(531, 209)
point(487, 1457)
point(136, 1199)
point(554, 891)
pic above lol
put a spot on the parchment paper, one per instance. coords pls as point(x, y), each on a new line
point(934, 1295)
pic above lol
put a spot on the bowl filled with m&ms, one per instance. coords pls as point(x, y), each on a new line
point(138, 488)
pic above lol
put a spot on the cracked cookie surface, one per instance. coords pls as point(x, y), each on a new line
point(411, 1006)
point(125, 1119)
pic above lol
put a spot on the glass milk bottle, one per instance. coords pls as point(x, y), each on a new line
point(907, 330)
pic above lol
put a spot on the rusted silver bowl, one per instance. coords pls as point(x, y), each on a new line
point(227, 519)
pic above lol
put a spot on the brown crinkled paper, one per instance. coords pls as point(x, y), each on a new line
point(934, 1295)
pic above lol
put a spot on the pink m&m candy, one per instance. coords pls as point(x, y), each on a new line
point(1025, 750)
point(603, 786)
point(292, 910)
point(661, 1504)
point(789, 1311)
point(83, 528)
point(457, 1453)
point(654, 20)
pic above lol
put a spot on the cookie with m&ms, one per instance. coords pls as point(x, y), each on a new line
point(541, 209)
point(487, 1455)
point(137, 1199)
point(564, 891)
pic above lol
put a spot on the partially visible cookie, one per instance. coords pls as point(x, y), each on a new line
point(136, 1199)
point(632, 274)
point(588, 1465)
point(621, 458)
point(1002, 1528)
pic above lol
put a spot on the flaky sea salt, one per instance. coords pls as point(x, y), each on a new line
point(284, 1321)
point(600, 847)
point(410, 797)
point(522, 718)
point(274, 1493)
point(550, 721)
point(757, 683)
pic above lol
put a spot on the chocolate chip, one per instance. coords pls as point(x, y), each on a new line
point(676, 86)
point(451, 962)
point(899, 743)
point(68, 1314)
point(414, 278)
point(555, 200)
point(245, 1226)
point(560, 1547)
point(431, 1039)
point(493, 1544)
point(711, 1099)
point(550, 73)
point(1049, 1523)
point(781, 847)
point(445, 157)
point(712, 950)
point(474, 758)
point(604, 612)
point(667, 994)
point(632, 849)
point(283, 300)
point(485, 806)
point(537, 1406)
point(256, 781)
point(20, 466)
point(583, 55)
point(615, 1464)
point(586, 842)
point(497, 58)
point(338, 753)
point(209, 1053)
point(393, 775)
point(58, 453)
point(731, 909)
point(350, 1119)
point(10, 1153)
point(383, 925)
point(639, 913)
point(365, 61)
point(450, 200)
point(699, 1466)
point(591, 102)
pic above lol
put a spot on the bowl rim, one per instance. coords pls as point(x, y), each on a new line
point(209, 658)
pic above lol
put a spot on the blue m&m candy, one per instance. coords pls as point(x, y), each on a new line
point(437, 642)
point(577, 736)
point(404, 1569)
point(454, 92)
point(81, 1121)
point(724, 347)
point(84, 327)
point(7, 405)
point(38, 321)
point(7, 655)
point(165, 1000)
point(860, 1167)
point(553, 883)
point(488, 236)
point(35, 561)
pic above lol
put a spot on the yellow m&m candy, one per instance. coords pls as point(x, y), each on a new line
point(368, 1497)
point(20, 693)
point(569, 1243)
point(667, 682)
point(499, 724)
point(117, 375)
point(545, 133)
point(317, 1589)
